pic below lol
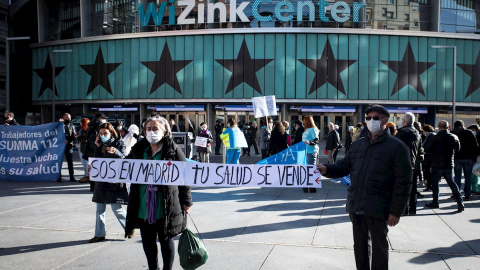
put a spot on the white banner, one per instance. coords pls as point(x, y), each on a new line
point(182, 173)
point(201, 141)
point(264, 106)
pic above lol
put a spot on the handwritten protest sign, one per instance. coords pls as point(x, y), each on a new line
point(201, 141)
point(202, 174)
point(264, 106)
point(31, 153)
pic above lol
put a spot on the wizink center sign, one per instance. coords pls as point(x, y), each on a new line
point(339, 11)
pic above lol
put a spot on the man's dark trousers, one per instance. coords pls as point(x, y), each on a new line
point(375, 229)
point(437, 173)
point(69, 158)
point(218, 143)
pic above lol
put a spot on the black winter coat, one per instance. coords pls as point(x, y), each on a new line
point(381, 176)
point(333, 140)
point(111, 192)
point(442, 148)
point(469, 149)
point(278, 142)
point(70, 136)
point(298, 135)
point(410, 136)
point(174, 196)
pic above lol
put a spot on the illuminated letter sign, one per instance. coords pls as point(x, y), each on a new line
point(340, 11)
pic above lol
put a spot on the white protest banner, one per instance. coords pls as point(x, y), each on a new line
point(201, 141)
point(154, 172)
point(264, 106)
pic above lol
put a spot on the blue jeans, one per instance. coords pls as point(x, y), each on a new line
point(437, 173)
point(84, 163)
point(119, 212)
point(233, 155)
point(312, 158)
point(467, 166)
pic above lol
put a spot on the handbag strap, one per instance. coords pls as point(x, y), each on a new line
point(196, 229)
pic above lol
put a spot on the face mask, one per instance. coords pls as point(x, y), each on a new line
point(474, 133)
point(154, 137)
point(103, 121)
point(119, 127)
point(203, 129)
point(270, 125)
point(374, 126)
point(361, 127)
point(105, 139)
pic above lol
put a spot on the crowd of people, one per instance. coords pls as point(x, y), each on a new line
point(385, 163)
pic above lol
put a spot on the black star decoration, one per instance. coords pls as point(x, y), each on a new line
point(242, 68)
point(99, 72)
point(408, 71)
point(45, 74)
point(327, 69)
point(165, 70)
point(472, 71)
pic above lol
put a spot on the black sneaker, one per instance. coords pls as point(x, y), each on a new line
point(467, 198)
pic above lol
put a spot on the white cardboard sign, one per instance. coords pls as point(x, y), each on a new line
point(264, 106)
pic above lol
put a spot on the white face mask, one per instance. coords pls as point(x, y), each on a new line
point(103, 121)
point(154, 137)
point(374, 126)
point(270, 125)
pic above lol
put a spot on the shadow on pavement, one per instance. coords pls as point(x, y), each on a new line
point(40, 247)
point(453, 251)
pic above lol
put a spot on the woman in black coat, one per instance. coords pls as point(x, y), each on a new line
point(278, 140)
point(172, 202)
point(108, 145)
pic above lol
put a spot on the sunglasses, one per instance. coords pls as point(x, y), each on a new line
point(368, 118)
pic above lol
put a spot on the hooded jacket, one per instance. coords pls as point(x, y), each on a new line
point(381, 175)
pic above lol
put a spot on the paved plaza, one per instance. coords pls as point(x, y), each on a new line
point(46, 225)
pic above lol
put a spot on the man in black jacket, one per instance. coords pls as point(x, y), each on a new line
point(465, 157)
point(333, 140)
point(70, 136)
point(442, 148)
point(409, 135)
point(218, 131)
point(381, 173)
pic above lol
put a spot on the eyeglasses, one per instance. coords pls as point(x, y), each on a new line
point(368, 118)
point(154, 118)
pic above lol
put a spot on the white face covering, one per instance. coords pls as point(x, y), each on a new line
point(154, 137)
point(270, 125)
point(374, 126)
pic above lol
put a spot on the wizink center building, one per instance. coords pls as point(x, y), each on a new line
point(205, 59)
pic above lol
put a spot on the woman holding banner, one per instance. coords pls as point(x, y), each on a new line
point(234, 140)
point(310, 137)
point(204, 152)
point(108, 145)
point(158, 210)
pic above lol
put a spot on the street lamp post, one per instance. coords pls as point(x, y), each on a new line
point(454, 75)
point(7, 56)
point(53, 79)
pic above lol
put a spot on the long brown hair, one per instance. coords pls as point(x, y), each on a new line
point(308, 122)
point(84, 123)
point(109, 127)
